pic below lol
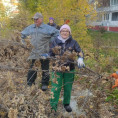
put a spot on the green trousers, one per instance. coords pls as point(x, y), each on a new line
point(64, 80)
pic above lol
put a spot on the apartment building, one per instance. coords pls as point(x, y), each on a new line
point(107, 15)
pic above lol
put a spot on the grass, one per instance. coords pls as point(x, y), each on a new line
point(105, 36)
point(104, 54)
point(105, 39)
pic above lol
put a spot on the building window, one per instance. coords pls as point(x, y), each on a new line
point(115, 16)
point(114, 2)
point(106, 16)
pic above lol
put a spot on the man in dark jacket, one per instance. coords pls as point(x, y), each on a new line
point(51, 22)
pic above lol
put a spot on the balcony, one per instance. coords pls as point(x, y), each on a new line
point(108, 9)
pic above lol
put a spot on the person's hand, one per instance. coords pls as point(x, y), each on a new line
point(44, 56)
point(80, 63)
point(25, 42)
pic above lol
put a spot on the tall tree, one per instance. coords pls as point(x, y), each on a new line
point(74, 10)
point(2, 9)
point(30, 5)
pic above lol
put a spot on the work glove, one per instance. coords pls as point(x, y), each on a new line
point(80, 63)
point(44, 56)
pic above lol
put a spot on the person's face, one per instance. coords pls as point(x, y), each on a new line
point(38, 21)
point(51, 21)
point(65, 33)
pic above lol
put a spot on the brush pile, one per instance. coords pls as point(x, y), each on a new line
point(17, 100)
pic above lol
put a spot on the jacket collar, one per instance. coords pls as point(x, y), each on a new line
point(52, 24)
point(69, 39)
point(41, 26)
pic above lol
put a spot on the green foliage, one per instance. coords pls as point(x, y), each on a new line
point(113, 96)
point(104, 51)
point(2, 10)
point(30, 5)
point(91, 63)
point(109, 36)
point(74, 10)
point(20, 21)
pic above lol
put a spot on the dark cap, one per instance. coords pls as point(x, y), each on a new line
point(37, 15)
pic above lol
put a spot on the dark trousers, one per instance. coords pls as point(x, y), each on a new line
point(32, 74)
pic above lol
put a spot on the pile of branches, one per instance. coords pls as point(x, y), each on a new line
point(61, 60)
point(94, 104)
point(17, 100)
point(13, 53)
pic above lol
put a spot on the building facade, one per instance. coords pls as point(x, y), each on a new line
point(107, 15)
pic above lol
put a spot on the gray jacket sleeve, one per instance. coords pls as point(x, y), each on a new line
point(25, 32)
point(54, 33)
